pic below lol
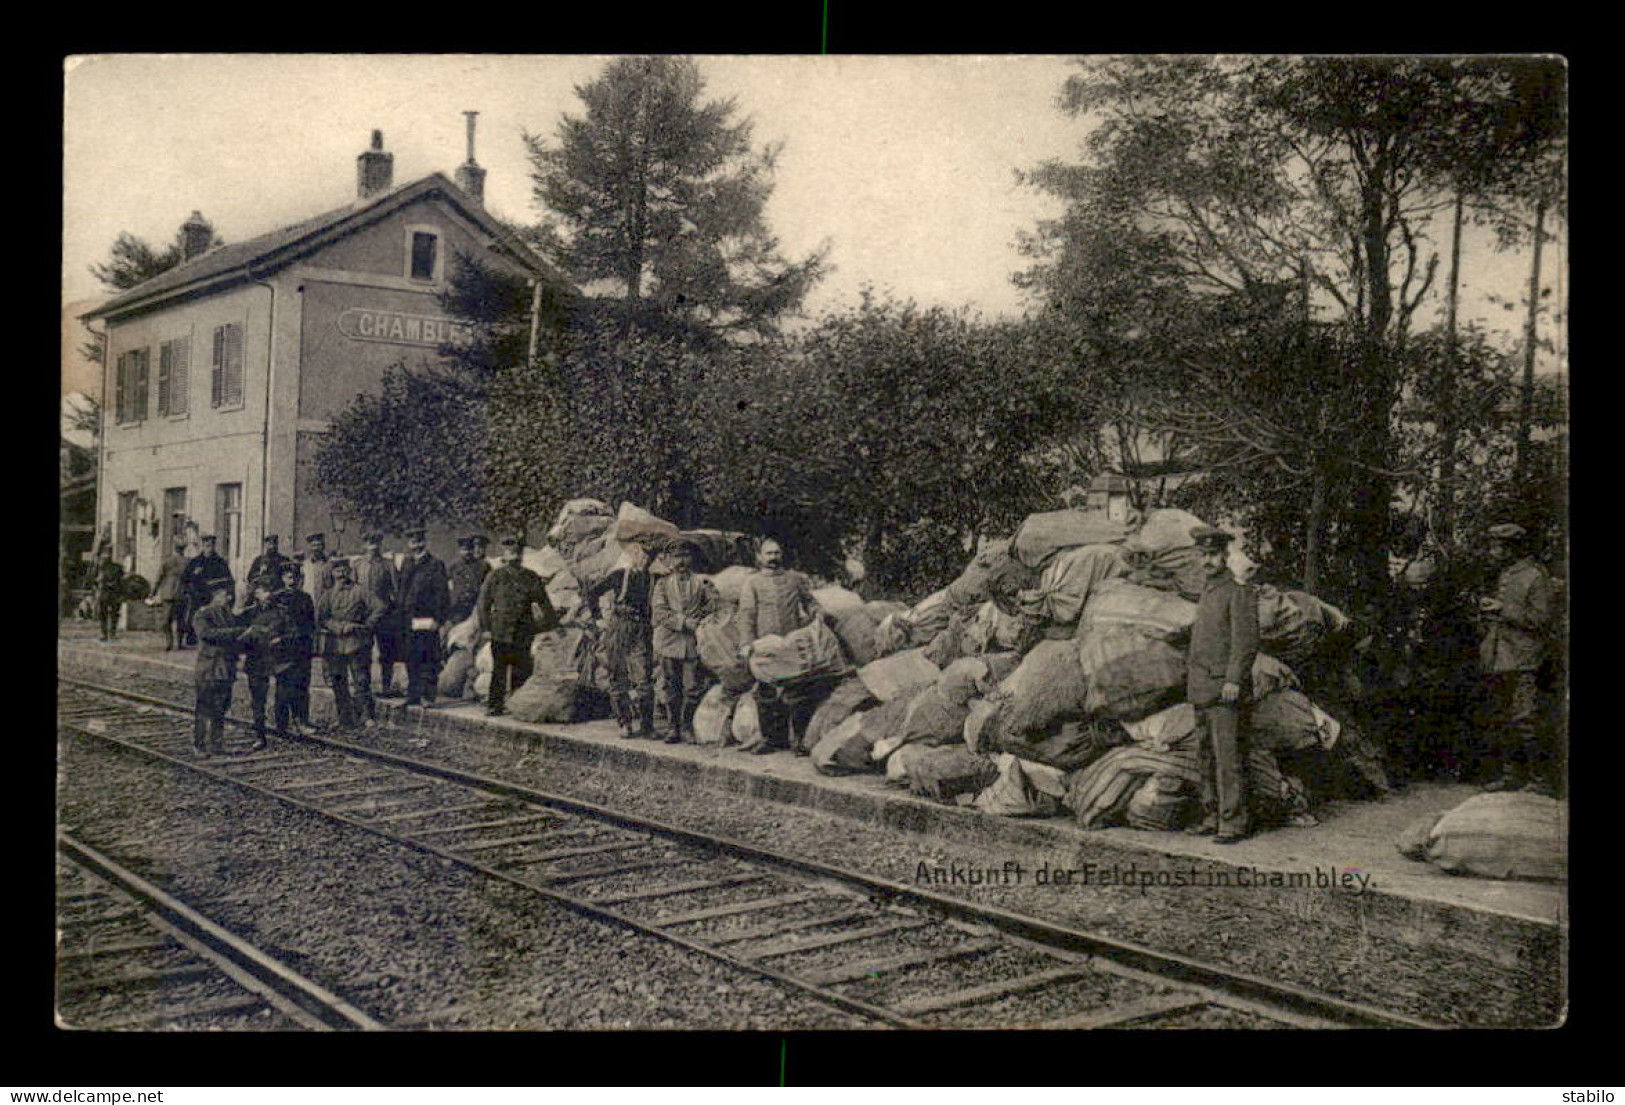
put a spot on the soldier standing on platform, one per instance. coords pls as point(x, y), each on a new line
point(268, 564)
point(467, 575)
point(774, 601)
point(376, 575)
point(681, 602)
point(1517, 640)
point(109, 583)
point(318, 567)
point(292, 658)
point(508, 606)
point(217, 633)
point(264, 627)
point(425, 597)
point(625, 644)
point(166, 594)
point(1224, 644)
point(203, 571)
point(347, 616)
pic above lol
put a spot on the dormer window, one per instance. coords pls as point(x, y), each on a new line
point(423, 254)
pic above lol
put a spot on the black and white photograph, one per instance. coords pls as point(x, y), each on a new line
point(784, 544)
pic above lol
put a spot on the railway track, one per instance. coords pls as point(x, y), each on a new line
point(896, 954)
point(131, 957)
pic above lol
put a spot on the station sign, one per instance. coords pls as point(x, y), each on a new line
point(400, 328)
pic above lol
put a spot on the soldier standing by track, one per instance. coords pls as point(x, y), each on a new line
point(625, 645)
point(166, 594)
point(507, 605)
point(347, 616)
point(375, 574)
point(203, 571)
point(466, 576)
point(681, 602)
point(775, 601)
point(1224, 644)
point(217, 633)
point(109, 584)
point(425, 596)
point(291, 659)
point(1517, 640)
point(264, 628)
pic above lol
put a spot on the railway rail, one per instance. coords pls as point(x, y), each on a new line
point(896, 954)
point(132, 957)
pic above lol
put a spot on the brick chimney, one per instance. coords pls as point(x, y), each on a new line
point(374, 169)
point(470, 177)
point(196, 237)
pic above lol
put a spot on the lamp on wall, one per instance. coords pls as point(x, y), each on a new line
point(339, 518)
point(146, 515)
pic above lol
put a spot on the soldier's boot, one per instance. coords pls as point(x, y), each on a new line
point(643, 714)
point(623, 714)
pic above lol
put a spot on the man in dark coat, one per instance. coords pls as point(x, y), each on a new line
point(509, 604)
point(268, 564)
point(291, 659)
point(346, 617)
point(217, 633)
point(376, 575)
point(203, 571)
point(467, 575)
point(425, 599)
point(166, 595)
point(109, 584)
point(1224, 644)
point(1518, 622)
point(263, 629)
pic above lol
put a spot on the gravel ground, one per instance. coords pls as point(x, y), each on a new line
point(404, 936)
point(1220, 925)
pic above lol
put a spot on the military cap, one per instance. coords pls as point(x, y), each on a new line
point(297, 564)
point(272, 539)
point(266, 580)
point(417, 533)
point(206, 537)
point(322, 537)
point(1508, 531)
point(373, 539)
point(339, 562)
point(219, 585)
point(465, 542)
point(1211, 535)
point(511, 542)
point(480, 539)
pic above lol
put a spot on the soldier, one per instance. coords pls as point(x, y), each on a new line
point(376, 575)
point(264, 627)
point(291, 659)
point(217, 633)
point(681, 602)
point(109, 584)
point(467, 575)
point(774, 601)
point(1224, 644)
point(268, 563)
point(347, 616)
point(508, 605)
point(425, 597)
point(318, 567)
point(625, 644)
point(202, 572)
point(1517, 640)
point(166, 594)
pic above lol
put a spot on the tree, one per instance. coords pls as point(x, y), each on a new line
point(658, 200)
point(1258, 189)
point(132, 261)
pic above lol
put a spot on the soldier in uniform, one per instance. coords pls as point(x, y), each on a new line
point(347, 616)
point(376, 575)
point(318, 567)
point(166, 593)
point(1518, 622)
point(425, 597)
point(1224, 644)
point(508, 605)
point(681, 602)
point(109, 583)
point(291, 660)
point(774, 601)
point(268, 564)
point(263, 627)
point(203, 571)
point(625, 646)
point(467, 575)
point(217, 633)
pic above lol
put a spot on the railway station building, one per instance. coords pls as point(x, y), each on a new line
point(222, 374)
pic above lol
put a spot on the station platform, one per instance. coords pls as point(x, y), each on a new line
point(1344, 875)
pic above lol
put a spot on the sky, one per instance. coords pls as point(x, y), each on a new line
point(905, 166)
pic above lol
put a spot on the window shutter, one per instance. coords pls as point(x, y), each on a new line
point(141, 359)
point(217, 373)
point(232, 389)
point(179, 376)
point(166, 369)
point(121, 388)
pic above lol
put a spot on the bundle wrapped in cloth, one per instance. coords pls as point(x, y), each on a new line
point(811, 652)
